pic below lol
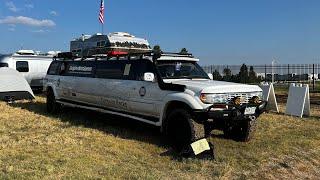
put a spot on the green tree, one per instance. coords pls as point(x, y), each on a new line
point(252, 75)
point(216, 75)
point(184, 51)
point(157, 48)
point(227, 74)
point(157, 52)
point(243, 74)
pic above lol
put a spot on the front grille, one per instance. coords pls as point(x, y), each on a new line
point(245, 97)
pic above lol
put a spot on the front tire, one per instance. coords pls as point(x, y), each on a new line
point(182, 129)
point(244, 131)
point(52, 106)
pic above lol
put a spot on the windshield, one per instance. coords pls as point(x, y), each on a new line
point(181, 70)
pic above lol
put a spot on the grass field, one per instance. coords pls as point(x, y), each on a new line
point(84, 144)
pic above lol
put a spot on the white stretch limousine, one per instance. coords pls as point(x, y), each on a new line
point(167, 90)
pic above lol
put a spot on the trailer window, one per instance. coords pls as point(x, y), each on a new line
point(22, 66)
point(4, 65)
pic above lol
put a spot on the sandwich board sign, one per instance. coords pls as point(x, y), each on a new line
point(269, 96)
point(298, 103)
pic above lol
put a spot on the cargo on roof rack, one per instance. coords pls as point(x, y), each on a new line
point(88, 45)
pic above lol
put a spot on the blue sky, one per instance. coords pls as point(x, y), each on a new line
point(218, 32)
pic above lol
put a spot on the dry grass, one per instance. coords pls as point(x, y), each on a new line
point(83, 144)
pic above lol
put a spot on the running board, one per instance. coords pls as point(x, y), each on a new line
point(109, 112)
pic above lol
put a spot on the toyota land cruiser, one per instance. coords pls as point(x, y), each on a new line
point(170, 91)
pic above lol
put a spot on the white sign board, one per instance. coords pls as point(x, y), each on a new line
point(298, 103)
point(269, 96)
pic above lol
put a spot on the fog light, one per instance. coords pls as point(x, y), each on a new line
point(255, 100)
point(237, 101)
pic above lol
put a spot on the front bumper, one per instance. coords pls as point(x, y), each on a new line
point(233, 113)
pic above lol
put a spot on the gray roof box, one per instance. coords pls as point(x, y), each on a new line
point(13, 86)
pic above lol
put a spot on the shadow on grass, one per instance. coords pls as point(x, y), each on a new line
point(110, 124)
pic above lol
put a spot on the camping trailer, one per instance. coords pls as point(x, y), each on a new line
point(87, 45)
point(32, 65)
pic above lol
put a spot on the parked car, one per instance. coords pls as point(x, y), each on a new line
point(170, 91)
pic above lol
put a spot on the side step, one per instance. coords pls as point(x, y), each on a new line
point(109, 112)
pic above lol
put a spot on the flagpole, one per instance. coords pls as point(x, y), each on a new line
point(102, 29)
point(101, 15)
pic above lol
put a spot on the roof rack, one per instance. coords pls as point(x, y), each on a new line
point(118, 54)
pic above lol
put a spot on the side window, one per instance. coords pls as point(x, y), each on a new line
point(139, 67)
point(22, 66)
point(110, 69)
point(78, 68)
point(54, 68)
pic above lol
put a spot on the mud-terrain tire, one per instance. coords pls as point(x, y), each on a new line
point(244, 131)
point(182, 129)
point(52, 106)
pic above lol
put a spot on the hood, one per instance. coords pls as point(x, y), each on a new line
point(210, 86)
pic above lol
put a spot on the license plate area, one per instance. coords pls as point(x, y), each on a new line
point(250, 110)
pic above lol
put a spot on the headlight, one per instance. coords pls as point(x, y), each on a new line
point(214, 98)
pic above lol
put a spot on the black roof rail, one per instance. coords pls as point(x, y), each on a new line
point(154, 54)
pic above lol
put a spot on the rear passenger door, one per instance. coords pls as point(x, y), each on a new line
point(113, 91)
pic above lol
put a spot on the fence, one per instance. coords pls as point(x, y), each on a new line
point(279, 73)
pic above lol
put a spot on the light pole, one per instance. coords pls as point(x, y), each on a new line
point(274, 61)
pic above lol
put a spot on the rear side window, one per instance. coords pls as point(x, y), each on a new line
point(54, 68)
point(112, 69)
point(4, 65)
point(22, 66)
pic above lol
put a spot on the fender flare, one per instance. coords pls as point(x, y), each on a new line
point(182, 97)
point(50, 85)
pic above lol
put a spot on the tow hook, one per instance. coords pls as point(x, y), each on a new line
point(252, 118)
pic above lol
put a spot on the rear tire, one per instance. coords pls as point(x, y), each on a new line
point(182, 130)
point(52, 106)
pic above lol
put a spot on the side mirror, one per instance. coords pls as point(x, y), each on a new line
point(210, 76)
point(149, 77)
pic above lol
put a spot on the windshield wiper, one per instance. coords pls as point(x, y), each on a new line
point(198, 77)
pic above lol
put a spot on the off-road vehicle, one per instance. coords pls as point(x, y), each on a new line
point(167, 90)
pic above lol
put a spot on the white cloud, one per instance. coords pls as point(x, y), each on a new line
point(11, 29)
point(54, 13)
point(27, 21)
point(39, 31)
point(12, 7)
point(29, 6)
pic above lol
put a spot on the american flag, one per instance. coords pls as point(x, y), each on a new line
point(101, 13)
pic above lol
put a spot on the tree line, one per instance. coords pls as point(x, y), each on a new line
point(245, 75)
